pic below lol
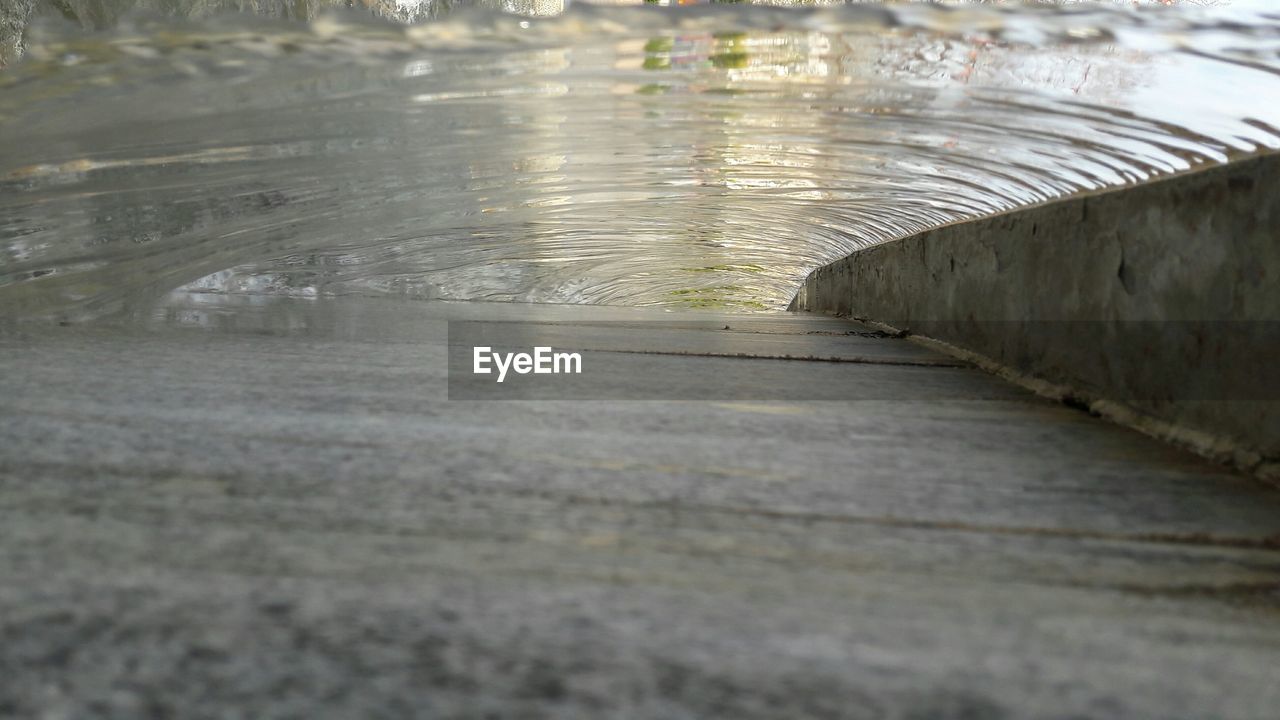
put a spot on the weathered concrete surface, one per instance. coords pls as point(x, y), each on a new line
point(1163, 298)
point(13, 24)
point(270, 510)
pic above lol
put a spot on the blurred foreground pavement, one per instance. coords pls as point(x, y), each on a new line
point(242, 509)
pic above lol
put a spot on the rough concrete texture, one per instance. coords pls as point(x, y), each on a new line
point(13, 24)
point(269, 509)
point(1163, 298)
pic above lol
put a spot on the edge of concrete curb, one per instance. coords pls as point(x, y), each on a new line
point(1145, 304)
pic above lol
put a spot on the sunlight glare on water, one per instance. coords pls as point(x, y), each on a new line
point(704, 156)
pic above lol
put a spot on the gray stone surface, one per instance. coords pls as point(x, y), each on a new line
point(1164, 298)
point(246, 508)
point(13, 24)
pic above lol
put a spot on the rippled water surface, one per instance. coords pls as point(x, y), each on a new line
point(704, 156)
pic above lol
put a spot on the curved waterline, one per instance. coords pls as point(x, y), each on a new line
point(704, 157)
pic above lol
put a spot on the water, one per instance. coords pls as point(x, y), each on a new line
point(702, 156)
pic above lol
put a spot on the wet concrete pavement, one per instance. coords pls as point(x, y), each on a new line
point(273, 509)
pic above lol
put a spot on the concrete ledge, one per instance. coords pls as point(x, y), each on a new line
point(13, 22)
point(1156, 305)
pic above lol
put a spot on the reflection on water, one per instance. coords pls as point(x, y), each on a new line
point(705, 157)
